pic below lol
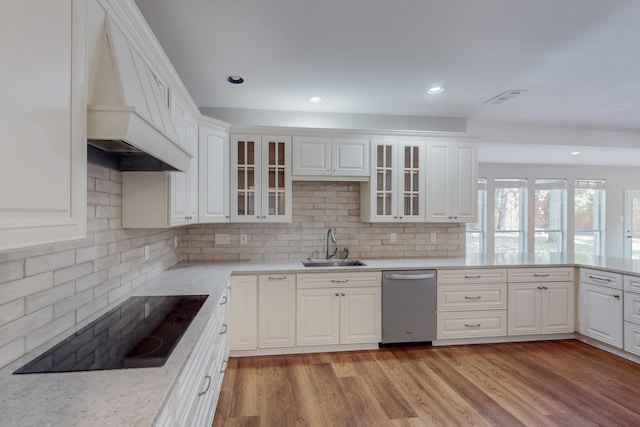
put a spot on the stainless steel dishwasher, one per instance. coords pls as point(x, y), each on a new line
point(408, 306)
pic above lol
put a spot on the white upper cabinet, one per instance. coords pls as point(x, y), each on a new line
point(43, 109)
point(214, 172)
point(184, 185)
point(395, 192)
point(261, 186)
point(315, 157)
point(452, 176)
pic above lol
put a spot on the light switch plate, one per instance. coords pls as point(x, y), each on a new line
point(243, 239)
point(146, 252)
point(434, 237)
point(394, 237)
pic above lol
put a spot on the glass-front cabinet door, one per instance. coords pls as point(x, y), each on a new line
point(261, 179)
point(397, 182)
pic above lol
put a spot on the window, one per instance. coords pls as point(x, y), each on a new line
point(510, 215)
point(589, 217)
point(550, 216)
point(476, 238)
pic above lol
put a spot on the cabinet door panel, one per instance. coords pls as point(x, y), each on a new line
point(439, 181)
point(318, 317)
point(43, 110)
point(557, 308)
point(524, 309)
point(360, 315)
point(350, 157)
point(465, 203)
point(601, 313)
point(243, 324)
point(214, 175)
point(311, 156)
point(277, 311)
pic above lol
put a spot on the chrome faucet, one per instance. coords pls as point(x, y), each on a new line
point(332, 237)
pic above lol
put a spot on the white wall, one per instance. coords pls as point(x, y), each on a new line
point(618, 179)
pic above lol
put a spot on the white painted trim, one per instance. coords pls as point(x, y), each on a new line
point(506, 339)
point(303, 350)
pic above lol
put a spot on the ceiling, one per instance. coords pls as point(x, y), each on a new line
point(577, 60)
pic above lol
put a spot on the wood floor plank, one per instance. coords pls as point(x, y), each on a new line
point(555, 383)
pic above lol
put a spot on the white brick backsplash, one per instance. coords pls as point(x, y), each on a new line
point(12, 351)
point(119, 292)
point(23, 287)
point(318, 206)
point(11, 270)
point(25, 325)
point(71, 273)
point(91, 253)
point(93, 309)
point(11, 311)
point(72, 303)
point(41, 335)
point(43, 263)
point(35, 302)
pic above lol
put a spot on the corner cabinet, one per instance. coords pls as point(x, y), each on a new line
point(261, 186)
point(601, 306)
point(315, 157)
point(43, 109)
point(452, 177)
point(395, 192)
point(213, 155)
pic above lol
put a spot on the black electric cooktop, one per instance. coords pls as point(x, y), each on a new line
point(139, 333)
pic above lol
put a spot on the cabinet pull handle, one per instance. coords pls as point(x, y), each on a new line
point(475, 325)
point(224, 300)
point(340, 281)
point(544, 288)
point(277, 277)
point(539, 288)
point(616, 296)
point(541, 275)
point(477, 276)
point(224, 366)
point(208, 378)
point(602, 279)
point(476, 298)
point(224, 329)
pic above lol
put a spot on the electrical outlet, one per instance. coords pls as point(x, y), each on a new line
point(223, 239)
point(175, 242)
point(146, 252)
point(243, 239)
point(394, 237)
point(434, 237)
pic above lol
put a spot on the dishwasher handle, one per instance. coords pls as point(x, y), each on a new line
point(397, 276)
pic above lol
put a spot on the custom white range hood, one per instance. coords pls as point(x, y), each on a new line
point(128, 116)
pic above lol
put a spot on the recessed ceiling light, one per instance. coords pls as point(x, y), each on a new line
point(434, 90)
point(236, 80)
point(314, 100)
point(575, 153)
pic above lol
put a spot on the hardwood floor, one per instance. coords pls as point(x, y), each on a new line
point(564, 383)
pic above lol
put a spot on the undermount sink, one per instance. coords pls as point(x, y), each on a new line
point(333, 263)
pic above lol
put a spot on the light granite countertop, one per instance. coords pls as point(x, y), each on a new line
point(133, 397)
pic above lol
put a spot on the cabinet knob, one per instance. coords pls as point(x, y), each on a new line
point(264, 216)
point(616, 296)
point(342, 294)
point(539, 288)
point(224, 300)
point(337, 294)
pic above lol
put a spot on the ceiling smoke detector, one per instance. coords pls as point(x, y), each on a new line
point(504, 96)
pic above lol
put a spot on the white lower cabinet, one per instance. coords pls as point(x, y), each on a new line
point(472, 303)
point(244, 313)
point(540, 308)
point(631, 285)
point(600, 307)
point(276, 310)
point(339, 308)
point(194, 397)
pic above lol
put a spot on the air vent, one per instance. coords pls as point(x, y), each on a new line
point(504, 96)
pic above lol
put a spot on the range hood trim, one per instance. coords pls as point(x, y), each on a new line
point(125, 124)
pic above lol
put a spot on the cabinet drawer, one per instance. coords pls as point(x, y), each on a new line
point(341, 280)
point(556, 274)
point(472, 297)
point(631, 283)
point(632, 338)
point(602, 278)
point(632, 307)
point(470, 324)
point(476, 275)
